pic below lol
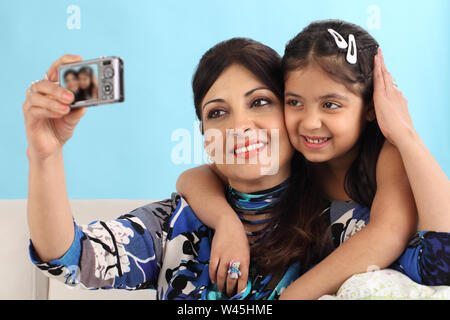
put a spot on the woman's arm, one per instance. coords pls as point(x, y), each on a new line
point(204, 189)
point(57, 243)
point(49, 123)
point(430, 186)
point(392, 222)
point(49, 214)
point(125, 253)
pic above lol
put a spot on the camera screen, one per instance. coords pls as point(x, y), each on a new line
point(82, 81)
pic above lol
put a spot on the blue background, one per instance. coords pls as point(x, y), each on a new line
point(124, 150)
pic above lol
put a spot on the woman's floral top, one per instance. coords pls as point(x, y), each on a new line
point(164, 246)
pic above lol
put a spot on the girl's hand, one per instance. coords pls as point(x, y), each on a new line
point(229, 243)
point(49, 121)
point(391, 107)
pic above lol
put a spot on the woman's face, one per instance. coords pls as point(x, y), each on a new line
point(84, 80)
point(244, 130)
point(324, 119)
point(71, 82)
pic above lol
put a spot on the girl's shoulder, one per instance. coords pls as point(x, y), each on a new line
point(340, 211)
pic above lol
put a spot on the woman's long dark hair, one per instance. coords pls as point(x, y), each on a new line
point(300, 217)
point(261, 60)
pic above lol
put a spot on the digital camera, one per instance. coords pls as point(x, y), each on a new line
point(93, 82)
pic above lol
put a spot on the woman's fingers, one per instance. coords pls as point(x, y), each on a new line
point(387, 77)
point(36, 113)
point(52, 73)
point(378, 81)
point(45, 102)
point(54, 90)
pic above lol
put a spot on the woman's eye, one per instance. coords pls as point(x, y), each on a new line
point(294, 103)
point(213, 114)
point(331, 105)
point(261, 102)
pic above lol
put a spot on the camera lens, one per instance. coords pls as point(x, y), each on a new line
point(109, 72)
point(107, 88)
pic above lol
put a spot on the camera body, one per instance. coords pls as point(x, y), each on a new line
point(94, 82)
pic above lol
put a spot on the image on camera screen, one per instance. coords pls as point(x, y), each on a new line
point(82, 81)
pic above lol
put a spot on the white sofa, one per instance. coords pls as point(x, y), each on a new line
point(22, 280)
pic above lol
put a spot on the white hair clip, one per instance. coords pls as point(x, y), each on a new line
point(340, 41)
point(351, 45)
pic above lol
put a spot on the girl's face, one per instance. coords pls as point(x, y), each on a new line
point(244, 129)
point(71, 82)
point(323, 118)
point(84, 80)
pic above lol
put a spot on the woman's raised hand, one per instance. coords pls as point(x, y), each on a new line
point(49, 121)
point(391, 107)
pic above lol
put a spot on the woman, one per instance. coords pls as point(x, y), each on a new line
point(71, 82)
point(162, 245)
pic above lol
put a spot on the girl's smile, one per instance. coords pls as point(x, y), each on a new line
point(323, 117)
point(316, 142)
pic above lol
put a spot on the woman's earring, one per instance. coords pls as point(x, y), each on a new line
point(209, 159)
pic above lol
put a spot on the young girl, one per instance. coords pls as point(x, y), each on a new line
point(330, 116)
point(88, 83)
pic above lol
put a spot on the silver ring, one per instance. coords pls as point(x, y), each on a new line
point(394, 83)
point(29, 90)
point(46, 78)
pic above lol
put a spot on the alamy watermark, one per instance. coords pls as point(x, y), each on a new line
point(232, 147)
point(74, 20)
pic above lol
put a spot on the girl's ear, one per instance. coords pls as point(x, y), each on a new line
point(370, 114)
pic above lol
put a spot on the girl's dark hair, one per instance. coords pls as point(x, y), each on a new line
point(302, 226)
point(315, 44)
point(299, 230)
point(261, 60)
point(90, 73)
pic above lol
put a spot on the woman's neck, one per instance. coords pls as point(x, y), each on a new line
point(255, 208)
point(262, 183)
